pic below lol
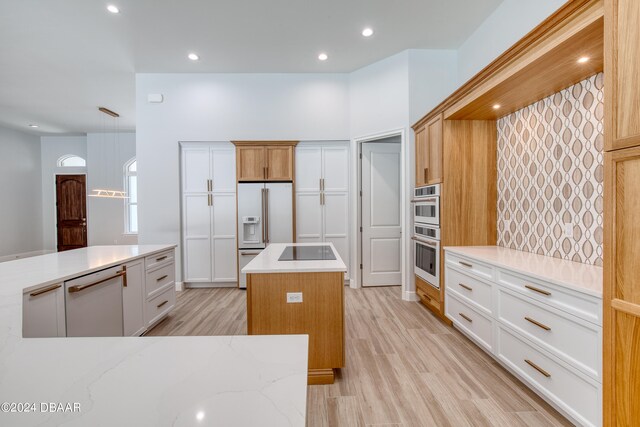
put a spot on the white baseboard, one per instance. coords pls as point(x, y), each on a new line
point(179, 286)
point(410, 296)
point(14, 257)
point(211, 285)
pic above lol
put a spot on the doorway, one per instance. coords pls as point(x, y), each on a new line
point(381, 212)
point(71, 211)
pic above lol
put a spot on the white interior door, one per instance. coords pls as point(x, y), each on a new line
point(381, 214)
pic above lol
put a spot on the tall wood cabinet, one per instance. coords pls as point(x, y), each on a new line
point(209, 212)
point(322, 195)
point(621, 322)
point(265, 161)
point(428, 151)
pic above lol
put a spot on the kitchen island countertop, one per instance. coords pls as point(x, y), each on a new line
point(142, 381)
point(267, 261)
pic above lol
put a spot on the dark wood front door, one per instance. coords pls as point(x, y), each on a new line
point(71, 211)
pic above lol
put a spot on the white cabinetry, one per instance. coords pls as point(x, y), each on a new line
point(133, 299)
point(546, 333)
point(160, 287)
point(209, 212)
point(322, 195)
point(43, 313)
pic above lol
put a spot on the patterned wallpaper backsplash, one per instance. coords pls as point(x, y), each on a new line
point(550, 174)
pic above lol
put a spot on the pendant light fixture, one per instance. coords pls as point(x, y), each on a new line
point(110, 193)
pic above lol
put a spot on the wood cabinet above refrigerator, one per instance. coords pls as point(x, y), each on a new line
point(429, 139)
point(264, 161)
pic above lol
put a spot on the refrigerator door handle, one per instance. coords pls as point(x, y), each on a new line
point(266, 211)
point(264, 240)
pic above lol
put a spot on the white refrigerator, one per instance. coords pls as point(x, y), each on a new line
point(265, 215)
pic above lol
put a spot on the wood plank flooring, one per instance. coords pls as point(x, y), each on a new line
point(404, 367)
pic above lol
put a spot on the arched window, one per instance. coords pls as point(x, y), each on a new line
point(71, 161)
point(131, 203)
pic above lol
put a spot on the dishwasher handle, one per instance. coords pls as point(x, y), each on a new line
point(122, 273)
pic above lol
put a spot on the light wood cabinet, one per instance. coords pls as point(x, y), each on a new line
point(429, 142)
point(622, 288)
point(43, 313)
point(265, 161)
point(622, 73)
point(251, 163)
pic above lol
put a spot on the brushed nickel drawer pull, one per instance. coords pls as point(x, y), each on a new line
point(465, 317)
point(540, 291)
point(44, 290)
point(162, 303)
point(538, 324)
point(159, 279)
point(466, 264)
point(462, 285)
point(162, 258)
point(538, 368)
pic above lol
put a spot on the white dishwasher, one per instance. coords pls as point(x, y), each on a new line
point(94, 304)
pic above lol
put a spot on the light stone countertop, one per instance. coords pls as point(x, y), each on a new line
point(267, 261)
point(141, 381)
point(573, 275)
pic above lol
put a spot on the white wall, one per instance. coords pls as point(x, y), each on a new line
point(223, 107)
point(505, 26)
point(20, 192)
point(379, 96)
point(52, 148)
point(107, 153)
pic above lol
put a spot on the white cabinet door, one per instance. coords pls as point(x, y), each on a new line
point(336, 223)
point(335, 168)
point(195, 169)
point(223, 169)
point(224, 238)
point(196, 230)
point(209, 212)
point(308, 218)
point(43, 313)
point(133, 296)
point(308, 169)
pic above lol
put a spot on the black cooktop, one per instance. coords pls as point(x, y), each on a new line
point(307, 253)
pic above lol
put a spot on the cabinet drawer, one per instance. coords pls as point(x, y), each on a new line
point(429, 296)
point(469, 289)
point(573, 393)
point(470, 321)
point(581, 305)
point(158, 259)
point(160, 305)
point(471, 267)
point(569, 338)
point(159, 278)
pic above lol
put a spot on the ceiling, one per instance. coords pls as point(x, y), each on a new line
point(61, 59)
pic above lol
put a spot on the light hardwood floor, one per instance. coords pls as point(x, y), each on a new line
point(404, 367)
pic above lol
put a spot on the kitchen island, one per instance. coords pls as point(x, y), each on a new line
point(298, 288)
point(142, 381)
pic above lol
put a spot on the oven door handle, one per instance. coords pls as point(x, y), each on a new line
point(426, 242)
point(427, 200)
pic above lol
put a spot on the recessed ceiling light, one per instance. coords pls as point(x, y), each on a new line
point(323, 57)
point(496, 106)
point(583, 60)
point(113, 9)
point(367, 32)
point(200, 416)
point(33, 126)
point(193, 57)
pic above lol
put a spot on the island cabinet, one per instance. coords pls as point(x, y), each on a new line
point(300, 297)
point(428, 151)
point(43, 313)
point(264, 161)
